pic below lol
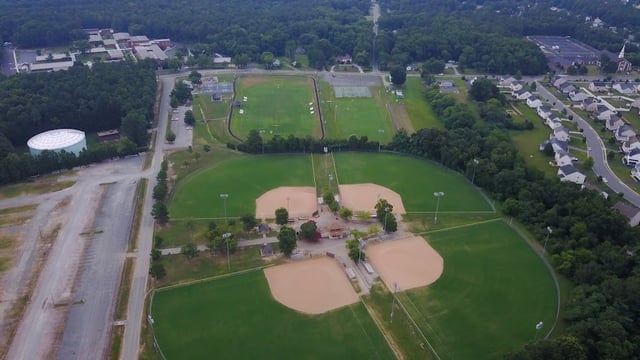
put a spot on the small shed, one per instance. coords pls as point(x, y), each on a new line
point(266, 250)
point(237, 103)
point(216, 97)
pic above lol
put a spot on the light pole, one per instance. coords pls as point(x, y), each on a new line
point(360, 246)
point(393, 303)
point(224, 199)
point(538, 328)
point(226, 237)
point(475, 164)
point(544, 247)
point(262, 133)
point(380, 131)
point(438, 195)
point(386, 213)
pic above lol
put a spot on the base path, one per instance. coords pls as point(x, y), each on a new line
point(311, 286)
point(363, 197)
point(300, 201)
point(410, 262)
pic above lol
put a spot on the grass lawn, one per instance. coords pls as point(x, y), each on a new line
point(38, 186)
point(493, 292)
point(237, 318)
point(632, 117)
point(418, 108)
point(244, 179)
point(277, 104)
point(414, 179)
point(528, 141)
point(356, 116)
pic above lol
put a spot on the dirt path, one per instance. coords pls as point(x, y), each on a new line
point(400, 117)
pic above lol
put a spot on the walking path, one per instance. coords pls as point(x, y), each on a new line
point(241, 243)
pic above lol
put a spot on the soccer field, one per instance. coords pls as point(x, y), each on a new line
point(277, 105)
point(493, 292)
point(414, 179)
point(236, 318)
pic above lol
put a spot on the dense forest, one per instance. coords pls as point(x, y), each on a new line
point(106, 96)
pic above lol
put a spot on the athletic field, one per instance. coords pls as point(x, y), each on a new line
point(237, 318)
point(493, 292)
point(277, 105)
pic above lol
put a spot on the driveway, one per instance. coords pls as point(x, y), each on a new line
point(598, 150)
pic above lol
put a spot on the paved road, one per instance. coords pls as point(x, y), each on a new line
point(7, 66)
point(598, 150)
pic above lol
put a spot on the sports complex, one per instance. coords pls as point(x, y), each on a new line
point(468, 287)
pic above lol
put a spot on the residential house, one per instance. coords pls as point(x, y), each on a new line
point(625, 88)
point(562, 158)
point(553, 121)
point(599, 86)
point(630, 212)
point(636, 103)
point(632, 143)
point(534, 102)
point(632, 158)
point(544, 111)
point(567, 88)
point(625, 133)
point(579, 96)
point(603, 113)
point(635, 172)
point(137, 40)
point(522, 94)
point(506, 81)
point(570, 173)
point(561, 133)
point(516, 85)
point(345, 59)
point(590, 104)
point(121, 36)
point(556, 145)
point(559, 81)
point(613, 123)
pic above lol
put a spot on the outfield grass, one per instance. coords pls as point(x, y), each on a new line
point(244, 179)
point(276, 104)
point(419, 110)
point(414, 179)
point(493, 292)
point(237, 318)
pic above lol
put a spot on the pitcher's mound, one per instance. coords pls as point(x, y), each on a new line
point(412, 262)
point(311, 286)
point(300, 201)
point(363, 197)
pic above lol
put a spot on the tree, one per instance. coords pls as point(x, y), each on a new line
point(382, 208)
point(174, 102)
point(483, 89)
point(155, 254)
point(433, 66)
point(181, 92)
point(282, 216)
point(159, 212)
point(354, 252)
point(157, 270)
point(195, 77)
point(390, 224)
point(134, 126)
point(190, 251)
point(170, 136)
point(398, 75)
point(267, 59)
point(287, 240)
point(309, 231)
point(345, 213)
point(189, 118)
point(248, 222)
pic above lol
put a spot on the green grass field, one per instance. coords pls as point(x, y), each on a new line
point(414, 179)
point(236, 318)
point(418, 108)
point(356, 116)
point(276, 104)
point(528, 141)
point(493, 292)
point(244, 179)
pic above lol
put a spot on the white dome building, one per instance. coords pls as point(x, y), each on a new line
point(69, 140)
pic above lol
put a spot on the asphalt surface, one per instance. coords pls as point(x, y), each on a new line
point(7, 65)
point(87, 330)
point(598, 150)
point(184, 132)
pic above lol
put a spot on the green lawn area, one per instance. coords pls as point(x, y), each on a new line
point(44, 184)
point(493, 292)
point(237, 318)
point(414, 179)
point(528, 141)
point(632, 117)
point(276, 104)
point(244, 179)
point(418, 108)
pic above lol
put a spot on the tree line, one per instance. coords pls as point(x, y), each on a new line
point(592, 244)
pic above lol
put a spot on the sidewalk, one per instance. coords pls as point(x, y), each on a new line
point(241, 243)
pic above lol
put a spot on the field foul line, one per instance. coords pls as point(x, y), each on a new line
point(460, 226)
point(362, 327)
point(313, 170)
point(211, 278)
point(433, 351)
point(335, 170)
point(392, 345)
